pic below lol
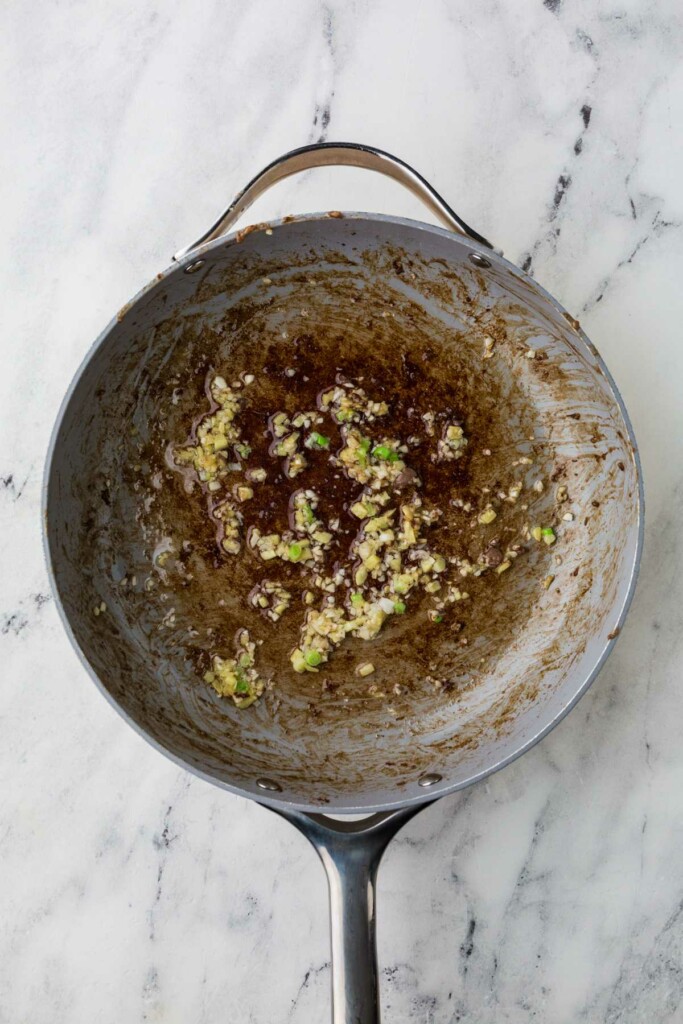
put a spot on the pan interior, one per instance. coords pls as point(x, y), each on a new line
point(365, 282)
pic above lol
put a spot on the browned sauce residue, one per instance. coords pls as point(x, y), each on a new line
point(408, 323)
point(396, 358)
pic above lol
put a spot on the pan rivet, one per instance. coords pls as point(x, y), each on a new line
point(191, 267)
point(430, 780)
point(479, 260)
point(268, 784)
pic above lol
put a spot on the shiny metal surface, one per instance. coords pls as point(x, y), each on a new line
point(429, 780)
point(269, 785)
point(158, 705)
point(351, 852)
point(335, 154)
point(192, 268)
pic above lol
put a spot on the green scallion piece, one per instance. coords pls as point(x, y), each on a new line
point(320, 439)
point(241, 686)
point(313, 658)
point(382, 451)
point(365, 444)
point(308, 513)
point(295, 552)
point(399, 607)
point(438, 618)
point(243, 450)
point(356, 598)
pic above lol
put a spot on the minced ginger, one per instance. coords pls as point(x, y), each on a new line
point(388, 560)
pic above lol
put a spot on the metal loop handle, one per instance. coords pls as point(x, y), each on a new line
point(336, 154)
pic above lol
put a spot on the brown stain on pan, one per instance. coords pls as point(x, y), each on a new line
point(400, 355)
point(330, 744)
point(245, 232)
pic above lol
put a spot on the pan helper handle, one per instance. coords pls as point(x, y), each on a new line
point(336, 154)
point(351, 852)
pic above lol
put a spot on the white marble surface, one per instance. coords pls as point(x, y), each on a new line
point(130, 891)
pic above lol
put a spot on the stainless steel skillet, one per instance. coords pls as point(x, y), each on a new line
point(337, 764)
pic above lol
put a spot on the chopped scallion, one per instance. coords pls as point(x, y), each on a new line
point(382, 451)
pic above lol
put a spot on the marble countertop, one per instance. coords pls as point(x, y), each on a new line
point(130, 891)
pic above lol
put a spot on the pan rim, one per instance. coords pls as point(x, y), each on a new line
point(440, 789)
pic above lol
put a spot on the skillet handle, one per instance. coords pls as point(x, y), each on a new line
point(336, 154)
point(351, 852)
